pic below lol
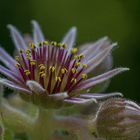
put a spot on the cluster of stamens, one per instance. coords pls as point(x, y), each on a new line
point(52, 65)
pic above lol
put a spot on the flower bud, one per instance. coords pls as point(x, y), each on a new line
point(118, 119)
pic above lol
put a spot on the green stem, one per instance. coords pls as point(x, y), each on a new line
point(14, 118)
point(43, 126)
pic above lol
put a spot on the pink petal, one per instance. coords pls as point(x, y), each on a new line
point(17, 38)
point(94, 47)
point(14, 86)
point(76, 100)
point(99, 79)
point(70, 37)
point(100, 96)
point(7, 59)
point(10, 74)
point(37, 33)
point(95, 61)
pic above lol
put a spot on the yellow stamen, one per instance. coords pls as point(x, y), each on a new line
point(42, 72)
point(40, 44)
point(27, 72)
point(59, 45)
point(32, 45)
point(54, 43)
point(43, 75)
point(20, 50)
point(84, 76)
point(64, 70)
point(58, 79)
point(17, 58)
point(28, 52)
point(77, 64)
point(17, 65)
point(28, 57)
point(32, 62)
point(76, 57)
point(64, 45)
point(74, 80)
point(42, 67)
point(52, 68)
point(73, 70)
point(81, 56)
point(46, 43)
point(84, 65)
point(74, 50)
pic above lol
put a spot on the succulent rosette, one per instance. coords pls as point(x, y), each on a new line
point(44, 69)
point(118, 119)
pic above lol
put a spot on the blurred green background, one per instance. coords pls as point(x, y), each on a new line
point(118, 19)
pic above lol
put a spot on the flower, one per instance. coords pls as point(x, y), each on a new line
point(56, 70)
point(118, 119)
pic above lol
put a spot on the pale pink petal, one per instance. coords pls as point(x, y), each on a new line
point(95, 61)
point(28, 39)
point(94, 47)
point(58, 96)
point(106, 63)
point(14, 86)
point(37, 33)
point(6, 59)
point(70, 37)
point(86, 46)
point(17, 38)
point(100, 96)
point(35, 87)
point(77, 100)
point(9, 74)
point(105, 66)
point(99, 79)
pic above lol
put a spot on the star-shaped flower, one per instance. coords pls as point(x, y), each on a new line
point(47, 69)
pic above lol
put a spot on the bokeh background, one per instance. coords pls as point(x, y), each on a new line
point(118, 19)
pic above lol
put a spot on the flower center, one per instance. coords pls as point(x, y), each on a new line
point(52, 65)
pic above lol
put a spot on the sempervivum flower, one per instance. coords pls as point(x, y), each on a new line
point(50, 69)
point(118, 119)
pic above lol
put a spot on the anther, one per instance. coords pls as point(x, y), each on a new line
point(43, 75)
point(74, 50)
point(52, 68)
point(20, 50)
point(40, 44)
point(84, 65)
point(27, 72)
point(64, 70)
point(84, 76)
point(59, 44)
point(81, 56)
point(17, 58)
point(58, 79)
point(17, 65)
point(77, 64)
point(28, 52)
point(28, 57)
point(32, 45)
point(73, 70)
point(73, 80)
point(64, 45)
point(32, 62)
point(42, 67)
point(45, 43)
point(53, 43)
